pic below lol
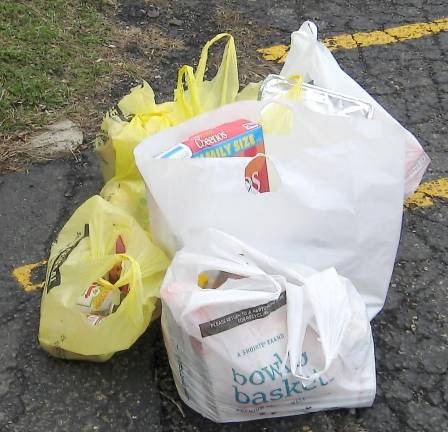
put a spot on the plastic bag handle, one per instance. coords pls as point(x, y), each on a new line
point(133, 277)
point(296, 90)
point(186, 73)
point(309, 28)
point(268, 102)
point(227, 73)
point(228, 56)
point(229, 264)
point(324, 300)
point(192, 105)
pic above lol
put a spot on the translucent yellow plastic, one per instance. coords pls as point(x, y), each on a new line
point(138, 116)
point(277, 118)
point(83, 253)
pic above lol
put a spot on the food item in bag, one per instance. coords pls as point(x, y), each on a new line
point(101, 300)
point(213, 279)
point(115, 272)
point(316, 98)
point(96, 237)
point(272, 340)
point(94, 319)
point(256, 175)
point(97, 299)
point(238, 138)
point(117, 269)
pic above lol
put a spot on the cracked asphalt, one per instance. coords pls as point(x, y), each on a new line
point(134, 391)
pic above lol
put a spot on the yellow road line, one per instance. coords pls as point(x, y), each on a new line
point(276, 53)
point(363, 39)
point(23, 276)
point(423, 196)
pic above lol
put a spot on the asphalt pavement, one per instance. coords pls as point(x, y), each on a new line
point(134, 391)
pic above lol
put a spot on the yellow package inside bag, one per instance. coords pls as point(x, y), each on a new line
point(102, 284)
point(138, 116)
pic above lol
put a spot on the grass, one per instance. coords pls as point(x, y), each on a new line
point(50, 58)
point(75, 58)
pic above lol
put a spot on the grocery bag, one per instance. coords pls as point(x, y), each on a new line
point(311, 59)
point(84, 252)
point(138, 116)
point(268, 340)
point(338, 203)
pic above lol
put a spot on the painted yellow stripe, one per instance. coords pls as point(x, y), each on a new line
point(363, 39)
point(23, 276)
point(387, 36)
point(276, 53)
point(423, 196)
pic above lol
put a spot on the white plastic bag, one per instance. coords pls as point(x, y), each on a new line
point(228, 346)
point(339, 202)
point(311, 59)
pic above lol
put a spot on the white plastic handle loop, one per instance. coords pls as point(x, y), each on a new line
point(230, 264)
point(323, 301)
point(309, 28)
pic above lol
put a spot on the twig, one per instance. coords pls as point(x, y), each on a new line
point(73, 153)
point(177, 404)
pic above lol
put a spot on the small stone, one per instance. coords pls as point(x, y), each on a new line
point(435, 359)
point(58, 139)
point(153, 13)
point(397, 391)
point(380, 417)
point(5, 380)
point(175, 22)
point(435, 397)
point(445, 387)
point(422, 416)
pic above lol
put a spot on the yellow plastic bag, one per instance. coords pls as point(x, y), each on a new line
point(202, 95)
point(128, 194)
point(250, 92)
point(138, 116)
point(85, 251)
